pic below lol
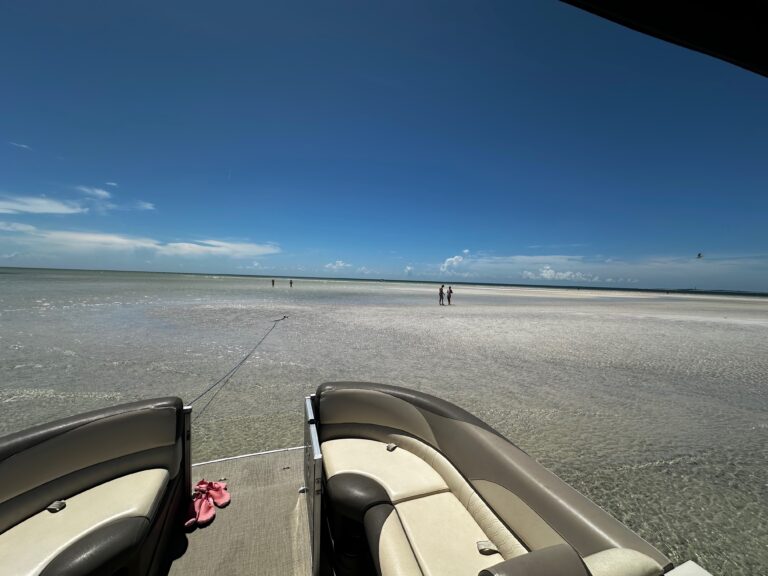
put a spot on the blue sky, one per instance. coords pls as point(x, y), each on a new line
point(521, 142)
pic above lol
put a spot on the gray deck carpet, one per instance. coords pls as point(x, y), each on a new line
point(263, 531)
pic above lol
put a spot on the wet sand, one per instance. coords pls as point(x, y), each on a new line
point(654, 405)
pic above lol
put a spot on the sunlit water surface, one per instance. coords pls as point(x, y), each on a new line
point(653, 405)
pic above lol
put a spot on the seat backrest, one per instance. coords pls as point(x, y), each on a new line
point(57, 460)
point(538, 507)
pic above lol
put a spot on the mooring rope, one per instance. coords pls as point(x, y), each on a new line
point(224, 380)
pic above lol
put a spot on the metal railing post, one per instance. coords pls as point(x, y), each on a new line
point(313, 481)
point(187, 444)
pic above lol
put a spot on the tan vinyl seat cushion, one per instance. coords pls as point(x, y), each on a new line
point(444, 536)
point(431, 528)
point(395, 554)
point(27, 548)
point(402, 474)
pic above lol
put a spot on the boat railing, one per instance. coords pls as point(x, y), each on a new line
point(313, 474)
point(187, 443)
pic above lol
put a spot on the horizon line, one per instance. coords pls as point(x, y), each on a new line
point(713, 292)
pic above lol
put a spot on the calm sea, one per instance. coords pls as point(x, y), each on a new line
point(655, 406)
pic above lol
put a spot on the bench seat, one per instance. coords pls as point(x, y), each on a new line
point(416, 525)
point(402, 474)
point(451, 482)
point(444, 535)
point(123, 508)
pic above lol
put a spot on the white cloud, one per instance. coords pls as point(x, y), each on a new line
point(22, 146)
point(408, 270)
point(451, 263)
point(252, 266)
point(79, 241)
point(338, 265)
point(506, 267)
point(37, 205)
point(15, 227)
point(465, 251)
point(549, 273)
point(364, 270)
point(518, 260)
point(113, 184)
point(739, 272)
point(511, 268)
point(99, 193)
point(66, 241)
point(217, 248)
point(99, 196)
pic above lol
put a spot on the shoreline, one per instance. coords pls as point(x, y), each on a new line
point(568, 287)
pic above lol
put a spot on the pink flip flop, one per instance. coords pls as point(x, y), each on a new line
point(217, 491)
point(207, 511)
point(192, 512)
point(195, 507)
point(201, 510)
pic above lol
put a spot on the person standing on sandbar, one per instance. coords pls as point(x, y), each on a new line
point(450, 293)
point(442, 294)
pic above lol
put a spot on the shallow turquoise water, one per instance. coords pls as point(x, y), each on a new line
point(655, 406)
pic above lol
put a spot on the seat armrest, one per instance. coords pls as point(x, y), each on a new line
point(104, 551)
point(352, 495)
point(560, 560)
point(623, 562)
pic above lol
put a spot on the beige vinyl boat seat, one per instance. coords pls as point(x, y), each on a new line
point(410, 511)
point(439, 493)
point(98, 493)
point(116, 514)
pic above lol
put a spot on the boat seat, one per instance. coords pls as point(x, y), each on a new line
point(624, 561)
point(97, 527)
point(444, 536)
point(414, 522)
point(563, 560)
point(390, 547)
point(122, 471)
point(402, 474)
point(558, 560)
point(516, 503)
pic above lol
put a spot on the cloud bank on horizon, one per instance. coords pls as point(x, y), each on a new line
point(27, 245)
point(44, 245)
